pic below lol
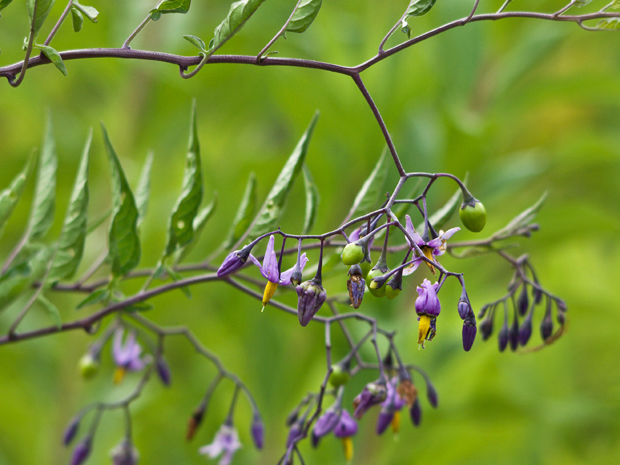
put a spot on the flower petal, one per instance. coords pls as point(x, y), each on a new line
point(285, 276)
point(449, 233)
point(410, 269)
point(270, 263)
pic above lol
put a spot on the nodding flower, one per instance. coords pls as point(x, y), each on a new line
point(126, 355)
point(431, 248)
point(390, 408)
point(271, 271)
point(225, 443)
point(346, 428)
point(427, 306)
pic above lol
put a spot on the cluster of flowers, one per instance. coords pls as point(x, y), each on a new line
point(380, 281)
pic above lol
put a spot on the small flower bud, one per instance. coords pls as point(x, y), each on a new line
point(538, 294)
point(546, 326)
point(513, 334)
point(325, 424)
point(356, 285)
point(340, 375)
point(464, 308)
point(415, 412)
point(469, 332)
point(353, 253)
point(89, 366)
point(561, 318)
point(72, 429)
point(373, 394)
point(473, 215)
point(525, 331)
point(163, 371)
point(311, 297)
point(258, 431)
point(295, 433)
point(234, 261)
point(431, 394)
point(81, 451)
point(194, 421)
point(483, 311)
point(486, 327)
point(523, 302)
point(502, 337)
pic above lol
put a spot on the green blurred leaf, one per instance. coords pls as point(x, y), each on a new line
point(615, 5)
point(94, 224)
point(4, 4)
point(71, 245)
point(470, 252)
point(245, 213)
point(176, 277)
point(443, 215)
point(304, 15)
point(11, 195)
point(610, 24)
point(522, 219)
point(199, 225)
point(312, 200)
point(95, 298)
point(580, 3)
point(54, 57)
point(143, 192)
point(44, 203)
point(155, 14)
point(419, 7)
point(27, 273)
point(174, 6)
point(43, 8)
point(78, 19)
point(372, 189)
point(271, 211)
point(51, 310)
point(181, 225)
point(238, 14)
point(88, 11)
point(196, 42)
point(124, 243)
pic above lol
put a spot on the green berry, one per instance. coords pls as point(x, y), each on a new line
point(377, 292)
point(391, 293)
point(339, 376)
point(473, 217)
point(88, 366)
point(352, 254)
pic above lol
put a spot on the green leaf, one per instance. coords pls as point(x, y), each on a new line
point(196, 42)
point(139, 307)
point(54, 57)
point(312, 200)
point(238, 14)
point(372, 188)
point(124, 243)
point(4, 4)
point(44, 203)
point(470, 252)
point(199, 224)
point(522, 219)
point(11, 195)
point(155, 14)
point(51, 310)
point(95, 298)
point(580, 3)
point(29, 272)
point(71, 245)
point(143, 192)
point(304, 15)
point(181, 225)
point(245, 213)
point(419, 7)
point(176, 277)
point(78, 19)
point(610, 24)
point(271, 211)
point(615, 5)
point(43, 8)
point(443, 215)
point(94, 224)
point(88, 11)
point(174, 6)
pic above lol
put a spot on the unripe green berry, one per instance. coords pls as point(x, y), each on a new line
point(352, 254)
point(339, 376)
point(473, 217)
point(365, 268)
point(89, 366)
point(391, 293)
point(377, 292)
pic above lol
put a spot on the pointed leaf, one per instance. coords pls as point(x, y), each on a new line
point(11, 195)
point(4, 4)
point(443, 215)
point(199, 224)
point(522, 219)
point(181, 225)
point(271, 211)
point(196, 42)
point(312, 200)
point(143, 192)
point(77, 18)
point(54, 57)
point(245, 213)
point(88, 11)
point(610, 24)
point(43, 8)
point(174, 6)
point(71, 245)
point(419, 7)
point(238, 14)
point(304, 15)
point(95, 298)
point(51, 310)
point(124, 243)
point(94, 224)
point(44, 203)
point(30, 272)
point(372, 188)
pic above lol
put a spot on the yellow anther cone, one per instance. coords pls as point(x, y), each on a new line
point(347, 444)
point(270, 290)
point(424, 328)
point(119, 374)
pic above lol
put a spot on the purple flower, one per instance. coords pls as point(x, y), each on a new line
point(270, 270)
point(233, 262)
point(431, 249)
point(126, 355)
point(258, 431)
point(347, 426)
point(469, 332)
point(390, 408)
point(427, 306)
point(125, 454)
point(311, 296)
point(373, 394)
point(325, 424)
point(81, 451)
point(296, 432)
point(226, 443)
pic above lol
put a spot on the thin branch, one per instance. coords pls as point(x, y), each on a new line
point(59, 23)
point(278, 35)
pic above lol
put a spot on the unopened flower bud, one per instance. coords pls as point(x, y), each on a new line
point(163, 371)
point(295, 433)
point(415, 412)
point(473, 215)
point(258, 431)
point(431, 393)
point(523, 301)
point(513, 334)
point(81, 451)
point(71, 430)
point(194, 421)
point(89, 366)
point(546, 326)
point(464, 307)
point(469, 332)
point(356, 285)
point(311, 297)
point(353, 253)
point(486, 327)
point(234, 261)
point(325, 424)
point(339, 376)
point(538, 294)
point(502, 337)
point(525, 331)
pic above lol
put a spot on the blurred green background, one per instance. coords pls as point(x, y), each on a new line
point(523, 106)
